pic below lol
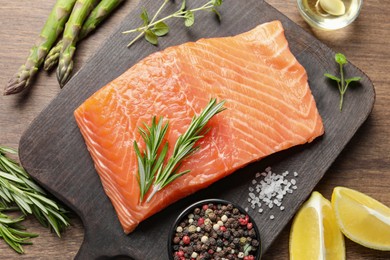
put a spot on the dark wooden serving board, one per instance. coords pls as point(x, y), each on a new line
point(53, 151)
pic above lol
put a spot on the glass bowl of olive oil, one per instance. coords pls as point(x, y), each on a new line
point(329, 14)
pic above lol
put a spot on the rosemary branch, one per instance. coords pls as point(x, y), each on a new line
point(18, 189)
point(147, 164)
point(184, 147)
point(12, 232)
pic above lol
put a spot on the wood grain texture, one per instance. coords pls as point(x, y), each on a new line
point(363, 165)
point(61, 151)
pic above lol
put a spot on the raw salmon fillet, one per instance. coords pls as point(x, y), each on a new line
point(269, 108)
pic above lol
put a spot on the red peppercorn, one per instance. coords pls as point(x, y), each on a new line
point(186, 240)
point(247, 218)
point(180, 253)
point(249, 225)
point(242, 221)
point(200, 221)
point(205, 207)
point(182, 258)
point(211, 251)
point(246, 258)
point(222, 228)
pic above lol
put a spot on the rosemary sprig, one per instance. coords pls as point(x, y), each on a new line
point(184, 147)
point(17, 188)
point(147, 164)
point(153, 29)
point(341, 83)
point(12, 232)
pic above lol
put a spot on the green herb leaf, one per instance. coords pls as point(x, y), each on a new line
point(161, 29)
point(332, 77)
point(189, 18)
point(151, 37)
point(214, 10)
point(216, 2)
point(144, 16)
point(8, 150)
point(340, 59)
point(353, 79)
point(183, 6)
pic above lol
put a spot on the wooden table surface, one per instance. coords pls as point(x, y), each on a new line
point(364, 164)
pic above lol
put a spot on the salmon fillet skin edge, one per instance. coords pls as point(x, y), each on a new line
point(269, 108)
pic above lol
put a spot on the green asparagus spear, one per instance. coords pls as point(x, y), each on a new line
point(102, 10)
point(51, 30)
point(98, 14)
point(53, 56)
point(80, 11)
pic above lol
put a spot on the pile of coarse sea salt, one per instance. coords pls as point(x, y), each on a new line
point(270, 190)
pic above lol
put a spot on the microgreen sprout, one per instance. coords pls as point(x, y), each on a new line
point(342, 83)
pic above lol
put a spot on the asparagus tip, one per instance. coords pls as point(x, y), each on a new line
point(64, 73)
point(14, 86)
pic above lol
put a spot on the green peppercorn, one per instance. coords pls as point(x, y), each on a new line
point(242, 241)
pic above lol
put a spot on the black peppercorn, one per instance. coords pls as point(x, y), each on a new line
point(255, 243)
point(252, 233)
point(176, 240)
point(212, 217)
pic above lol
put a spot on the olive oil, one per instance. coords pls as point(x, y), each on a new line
point(316, 16)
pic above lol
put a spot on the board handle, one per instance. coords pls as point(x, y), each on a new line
point(100, 245)
point(101, 252)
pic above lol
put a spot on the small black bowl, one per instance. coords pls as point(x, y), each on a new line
point(190, 208)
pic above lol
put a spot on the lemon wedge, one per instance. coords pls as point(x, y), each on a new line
point(315, 233)
point(361, 218)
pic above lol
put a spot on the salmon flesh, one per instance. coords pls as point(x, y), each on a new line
point(269, 108)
